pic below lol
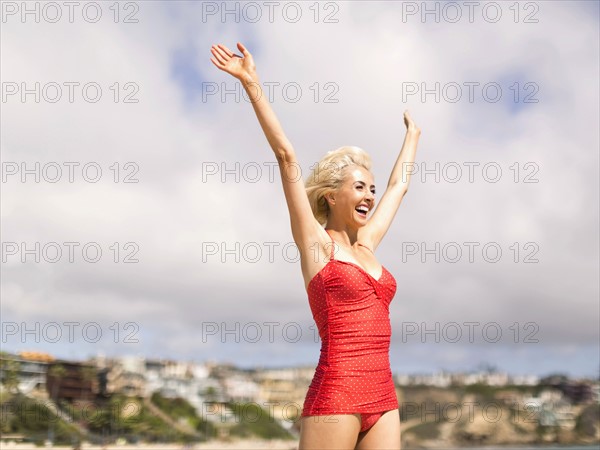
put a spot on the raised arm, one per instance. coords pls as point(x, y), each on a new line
point(304, 225)
point(397, 187)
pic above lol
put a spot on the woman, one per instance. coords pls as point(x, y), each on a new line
point(351, 402)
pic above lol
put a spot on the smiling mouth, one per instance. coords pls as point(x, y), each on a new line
point(361, 213)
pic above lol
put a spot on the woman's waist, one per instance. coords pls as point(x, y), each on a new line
point(365, 361)
point(375, 375)
point(342, 327)
point(358, 344)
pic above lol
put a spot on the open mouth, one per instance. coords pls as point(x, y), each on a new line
point(362, 211)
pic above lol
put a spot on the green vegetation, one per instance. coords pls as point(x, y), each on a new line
point(521, 388)
point(10, 370)
point(34, 419)
point(180, 410)
point(177, 409)
point(127, 417)
point(483, 392)
point(120, 416)
point(252, 420)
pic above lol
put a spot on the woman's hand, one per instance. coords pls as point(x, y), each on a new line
point(227, 61)
point(410, 125)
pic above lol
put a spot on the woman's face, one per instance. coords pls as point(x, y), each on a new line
point(355, 199)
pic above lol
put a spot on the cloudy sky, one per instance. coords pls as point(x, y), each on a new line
point(142, 211)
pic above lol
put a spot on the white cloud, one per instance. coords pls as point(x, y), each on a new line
point(171, 132)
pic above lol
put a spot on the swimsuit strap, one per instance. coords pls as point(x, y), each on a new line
point(332, 246)
point(366, 248)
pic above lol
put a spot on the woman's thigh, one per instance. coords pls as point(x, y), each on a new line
point(335, 431)
point(385, 434)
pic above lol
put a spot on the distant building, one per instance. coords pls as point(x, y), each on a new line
point(446, 379)
point(283, 390)
point(71, 381)
point(525, 380)
point(241, 389)
point(30, 371)
point(123, 375)
point(577, 392)
point(558, 414)
point(596, 392)
point(189, 381)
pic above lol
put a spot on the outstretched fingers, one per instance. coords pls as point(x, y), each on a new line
point(226, 60)
point(220, 55)
point(226, 50)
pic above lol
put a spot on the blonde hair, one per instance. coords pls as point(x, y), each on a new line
point(329, 175)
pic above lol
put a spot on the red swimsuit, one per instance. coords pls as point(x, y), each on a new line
point(351, 310)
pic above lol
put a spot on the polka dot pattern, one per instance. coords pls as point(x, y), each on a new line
point(351, 311)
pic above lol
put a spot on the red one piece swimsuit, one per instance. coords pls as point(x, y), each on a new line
point(351, 311)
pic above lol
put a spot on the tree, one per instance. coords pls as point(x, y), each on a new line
point(57, 372)
point(10, 370)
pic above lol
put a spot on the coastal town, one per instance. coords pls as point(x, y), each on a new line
point(134, 399)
